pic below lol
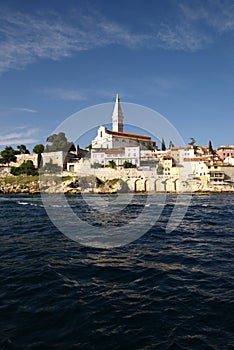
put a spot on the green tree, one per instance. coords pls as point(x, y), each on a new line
point(58, 142)
point(26, 168)
point(23, 149)
point(128, 164)
point(171, 144)
point(163, 145)
point(39, 149)
point(8, 155)
point(211, 148)
point(112, 164)
point(192, 142)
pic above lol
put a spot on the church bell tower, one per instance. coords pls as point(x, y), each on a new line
point(117, 116)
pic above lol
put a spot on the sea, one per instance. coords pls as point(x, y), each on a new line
point(164, 290)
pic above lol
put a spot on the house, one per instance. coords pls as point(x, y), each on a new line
point(180, 153)
point(102, 157)
point(225, 152)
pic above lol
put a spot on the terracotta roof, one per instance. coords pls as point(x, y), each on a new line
point(129, 135)
point(108, 151)
point(195, 159)
point(225, 147)
point(187, 148)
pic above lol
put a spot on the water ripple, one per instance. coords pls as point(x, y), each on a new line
point(164, 291)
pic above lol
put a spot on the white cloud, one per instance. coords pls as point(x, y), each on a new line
point(16, 138)
point(67, 95)
point(80, 95)
point(217, 14)
point(26, 38)
point(181, 37)
point(20, 141)
point(197, 25)
point(165, 85)
point(27, 110)
point(9, 111)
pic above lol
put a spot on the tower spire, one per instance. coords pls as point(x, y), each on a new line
point(117, 116)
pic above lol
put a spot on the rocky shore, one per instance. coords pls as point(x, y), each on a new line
point(89, 184)
point(30, 185)
point(10, 188)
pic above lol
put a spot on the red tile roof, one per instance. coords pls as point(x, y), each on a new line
point(126, 135)
point(108, 151)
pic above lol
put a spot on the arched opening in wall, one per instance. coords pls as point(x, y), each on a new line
point(155, 185)
point(175, 185)
point(139, 186)
point(147, 185)
point(128, 186)
point(165, 185)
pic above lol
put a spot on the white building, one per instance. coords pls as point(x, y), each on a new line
point(117, 138)
point(119, 156)
point(179, 154)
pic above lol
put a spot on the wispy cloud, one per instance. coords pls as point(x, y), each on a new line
point(164, 86)
point(196, 25)
point(216, 13)
point(20, 109)
point(66, 95)
point(181, 37)
point(79, 95)
point(16, 138)
point(9, 111)
point(26, 38)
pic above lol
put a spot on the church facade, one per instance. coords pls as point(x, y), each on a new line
point(117, 138)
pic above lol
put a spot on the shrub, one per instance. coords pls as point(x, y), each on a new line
point(128, 164)
point(26, 168)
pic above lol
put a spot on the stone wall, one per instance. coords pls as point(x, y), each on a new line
point(21, 158)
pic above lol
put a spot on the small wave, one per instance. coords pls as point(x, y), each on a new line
point(22, 203)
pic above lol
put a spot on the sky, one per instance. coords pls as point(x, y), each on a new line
point(59, 57)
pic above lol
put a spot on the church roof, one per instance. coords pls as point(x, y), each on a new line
point(128, 135)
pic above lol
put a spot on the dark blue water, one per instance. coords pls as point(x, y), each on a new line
point(163, 291)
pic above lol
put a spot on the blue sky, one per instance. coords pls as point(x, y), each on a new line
point(58, 57)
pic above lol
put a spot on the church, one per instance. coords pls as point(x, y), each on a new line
point(117, 138)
